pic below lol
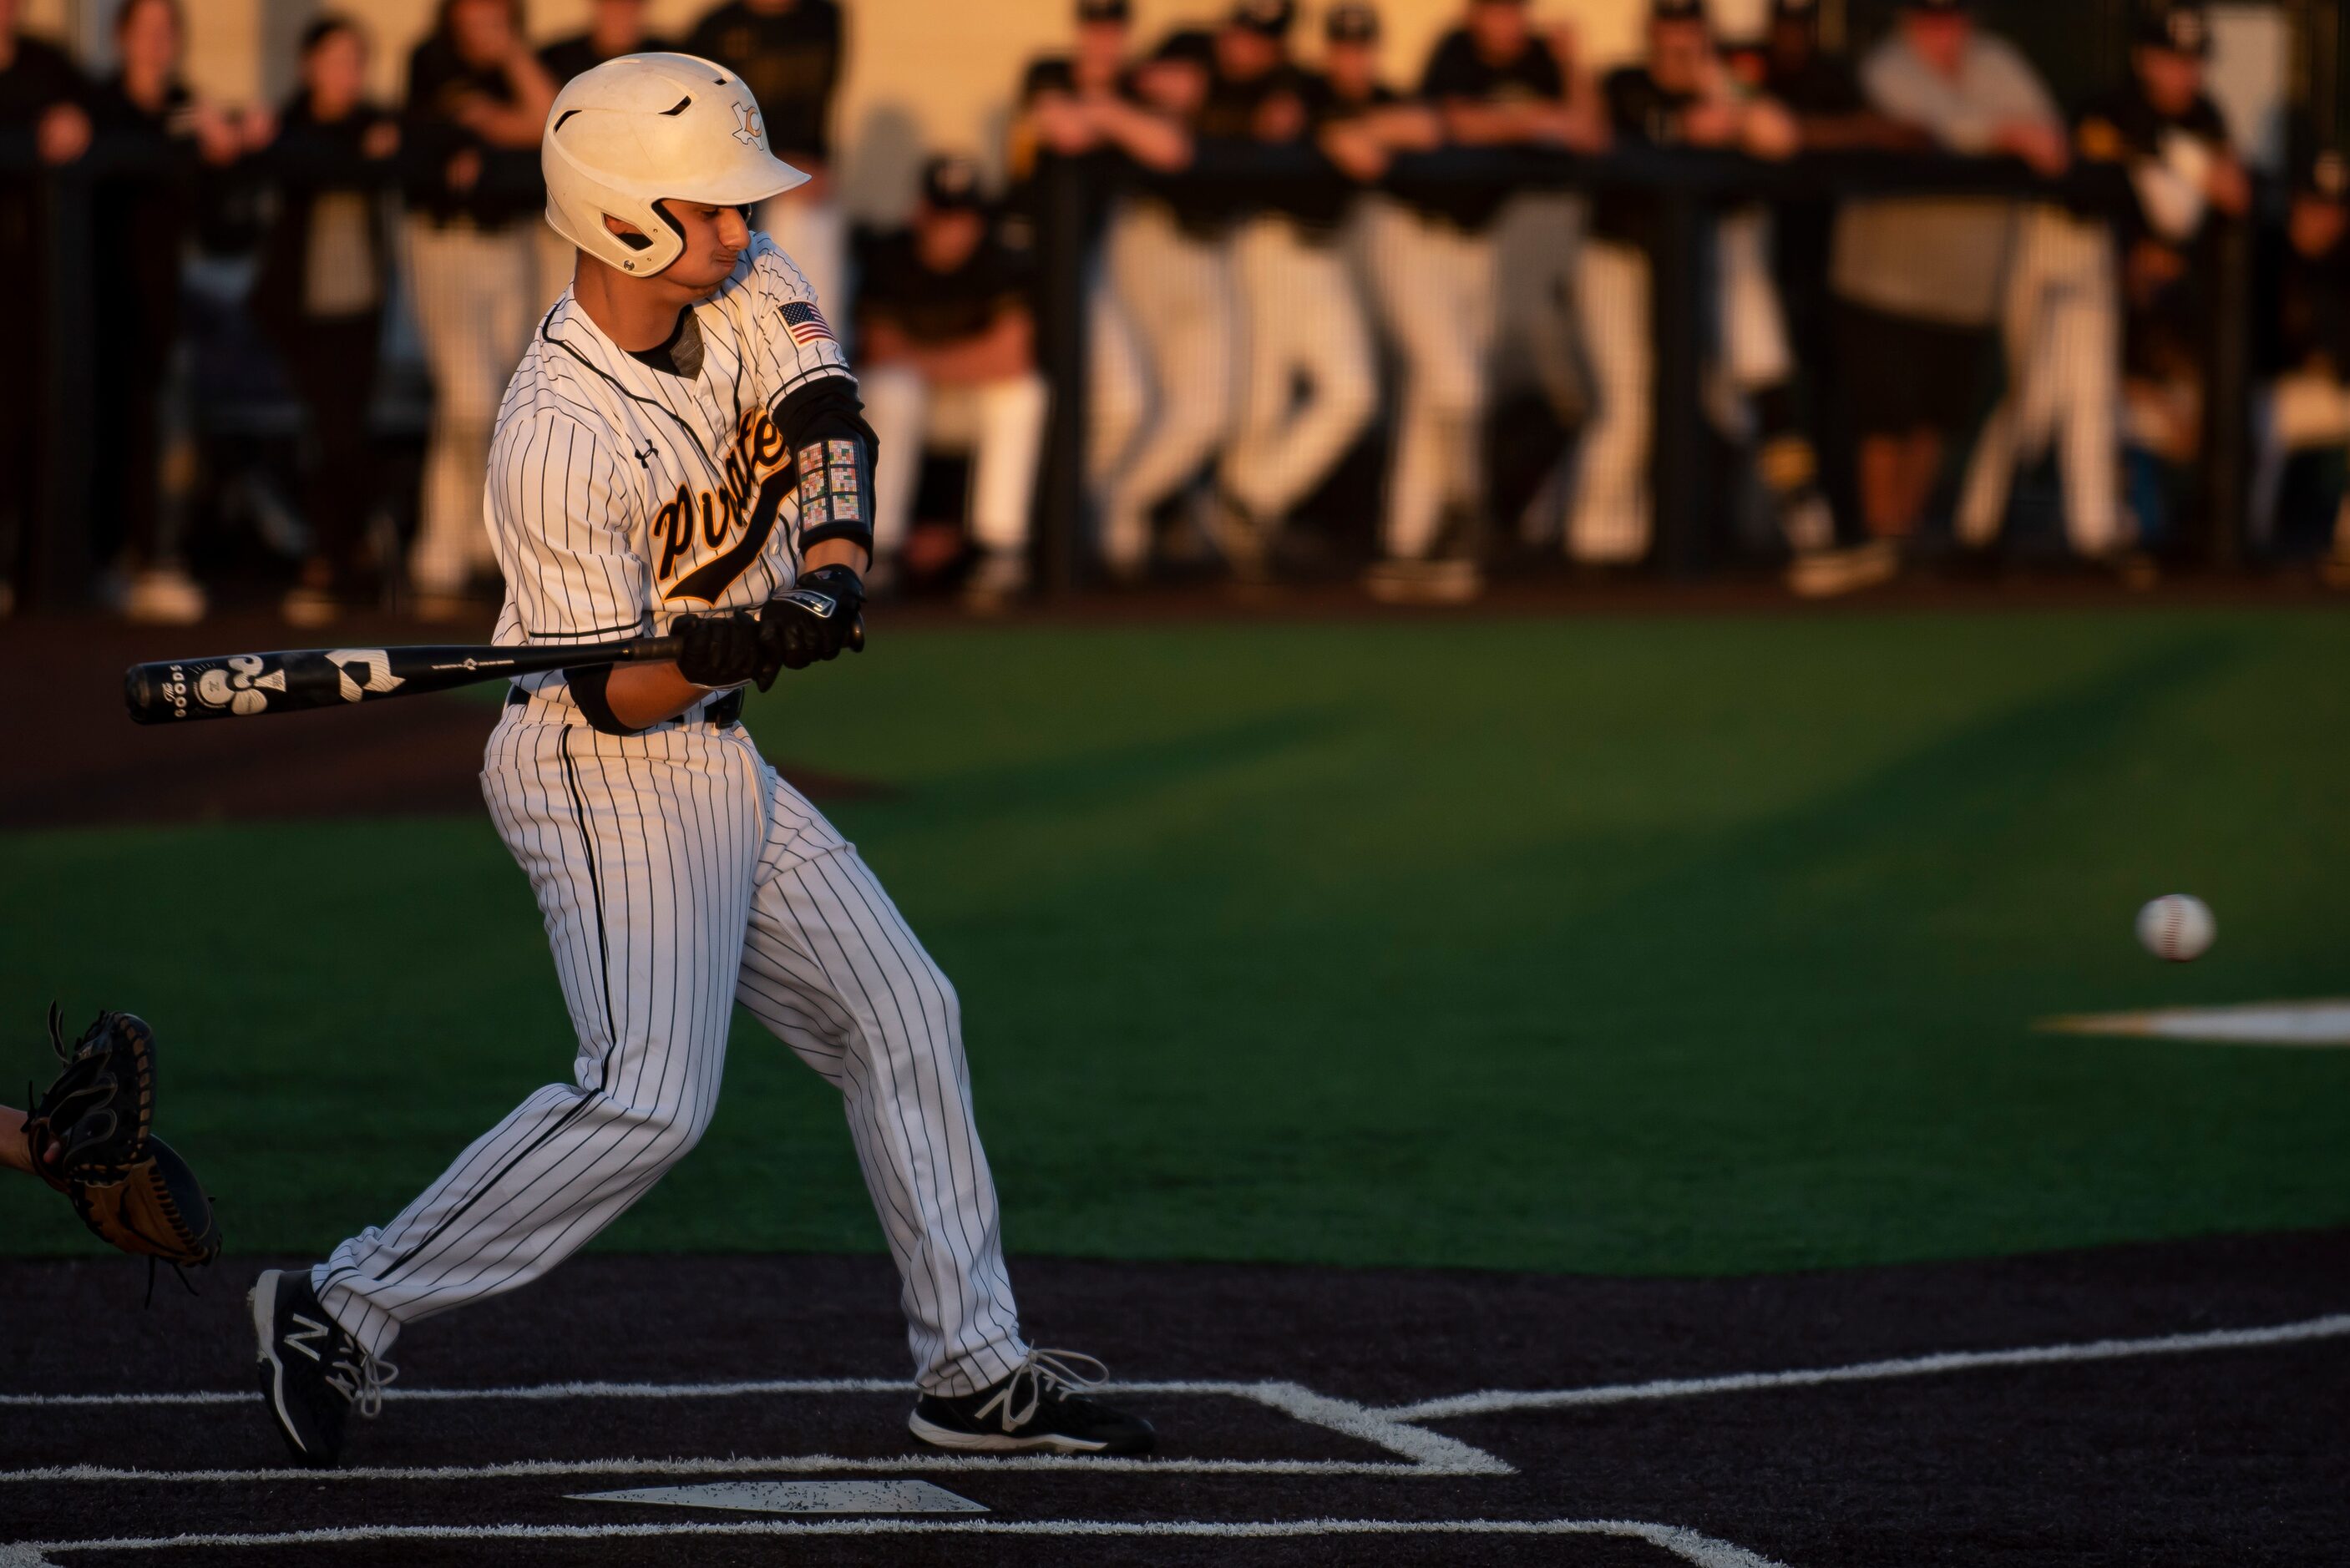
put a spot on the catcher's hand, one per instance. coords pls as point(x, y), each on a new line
point(90, 1137)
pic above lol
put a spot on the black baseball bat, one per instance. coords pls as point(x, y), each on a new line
point(246, 685)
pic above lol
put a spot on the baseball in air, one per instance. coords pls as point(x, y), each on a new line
point(2177, 927)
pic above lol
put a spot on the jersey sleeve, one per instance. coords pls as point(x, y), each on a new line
point(564, 520)
point(793, 341)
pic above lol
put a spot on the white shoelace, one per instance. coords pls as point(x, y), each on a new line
point(363, 1381)
point(1040, 1371)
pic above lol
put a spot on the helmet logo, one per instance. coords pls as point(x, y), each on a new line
point(747, 133)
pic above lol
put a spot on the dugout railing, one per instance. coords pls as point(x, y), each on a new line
point(1688, 190)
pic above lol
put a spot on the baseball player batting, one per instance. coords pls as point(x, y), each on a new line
point(680, 445)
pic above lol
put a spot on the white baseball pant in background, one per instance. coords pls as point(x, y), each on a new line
point(1613, 514)
point(679, 875)
point(476, 294)
point(1301, 322)
point(1177, 291)
point(2062, 329)
point(1434, 282)
point(814, 232)
point(1118, 388)
point(1001, 424)
point(2307, 410)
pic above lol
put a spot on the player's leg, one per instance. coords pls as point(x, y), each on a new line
point(831, 968)
point(897, 405)
point(1319, 337)
point(1008, 443)
point(1435, 287)
point(1609, 520)
point(2089, 343)
point(1266, 368)
point(451, 268)
point(1118, 385)
point(1180, 290)
point(641, 851)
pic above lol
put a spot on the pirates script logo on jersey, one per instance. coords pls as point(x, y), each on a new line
point(758, 478)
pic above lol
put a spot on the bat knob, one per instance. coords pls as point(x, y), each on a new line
point(857, 635)
point(141, 696)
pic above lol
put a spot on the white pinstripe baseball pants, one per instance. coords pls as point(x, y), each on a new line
point(679, 875)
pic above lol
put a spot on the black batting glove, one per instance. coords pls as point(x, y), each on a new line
point(814, 621)
point(719, 650)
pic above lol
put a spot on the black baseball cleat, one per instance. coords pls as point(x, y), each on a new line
point(1038, 1406)
point(312, 1373)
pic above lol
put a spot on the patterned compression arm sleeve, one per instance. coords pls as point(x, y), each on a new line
point(833, 451)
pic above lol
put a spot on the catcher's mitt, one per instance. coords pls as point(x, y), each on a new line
point(90, 1138)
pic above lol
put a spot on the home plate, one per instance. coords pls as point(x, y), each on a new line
point(799, 1497)
point(2313, 1024)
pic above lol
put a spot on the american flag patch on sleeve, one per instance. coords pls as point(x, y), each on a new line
point(807, 324)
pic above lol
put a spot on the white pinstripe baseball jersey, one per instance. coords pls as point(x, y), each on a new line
point(619, 495)
point(677, 873)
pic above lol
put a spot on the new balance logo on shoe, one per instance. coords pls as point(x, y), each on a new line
point(313, 1332)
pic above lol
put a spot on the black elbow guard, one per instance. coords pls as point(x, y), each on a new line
point(587, 682)
point(833, 451)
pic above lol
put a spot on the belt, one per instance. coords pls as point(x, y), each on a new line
point(721, 712)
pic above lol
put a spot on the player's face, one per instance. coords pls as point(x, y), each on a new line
point(1940, 38)
point(1101, 47)
point(948, 235)
point(335, 72)
point(2317, 225)
point(1498, 27)
point(2173, 81)
point(715, 239)
point(483, 29)
point(1243, 52)
point(148, 40)
point(1353, 67)
point(1678, 55)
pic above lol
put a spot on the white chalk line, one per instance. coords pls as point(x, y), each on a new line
point(1687, 1545)
point(1418, 1452)
point(2333, 1327)
point(777, 1464)
point(898, 1386)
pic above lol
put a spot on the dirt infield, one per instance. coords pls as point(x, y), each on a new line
point(2147, 1405)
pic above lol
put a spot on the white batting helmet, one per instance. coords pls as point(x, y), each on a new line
point(644, 126)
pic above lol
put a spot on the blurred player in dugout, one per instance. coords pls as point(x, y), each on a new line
point(1087, 106)
point(1919, 278)
point(2107, 319)
point(1437, 274)
point(2305, 358)
point(319, 294)
point(478, 99)
point(788, 52)
point(45, 99)
point(946, 357)
point(1308, 374)
point(1684, 95)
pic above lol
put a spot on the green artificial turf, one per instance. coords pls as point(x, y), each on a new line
point(1658, 945)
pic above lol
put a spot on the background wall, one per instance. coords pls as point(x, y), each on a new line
point(938, 74)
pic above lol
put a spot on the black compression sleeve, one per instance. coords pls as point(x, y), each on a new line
point(834, 452)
